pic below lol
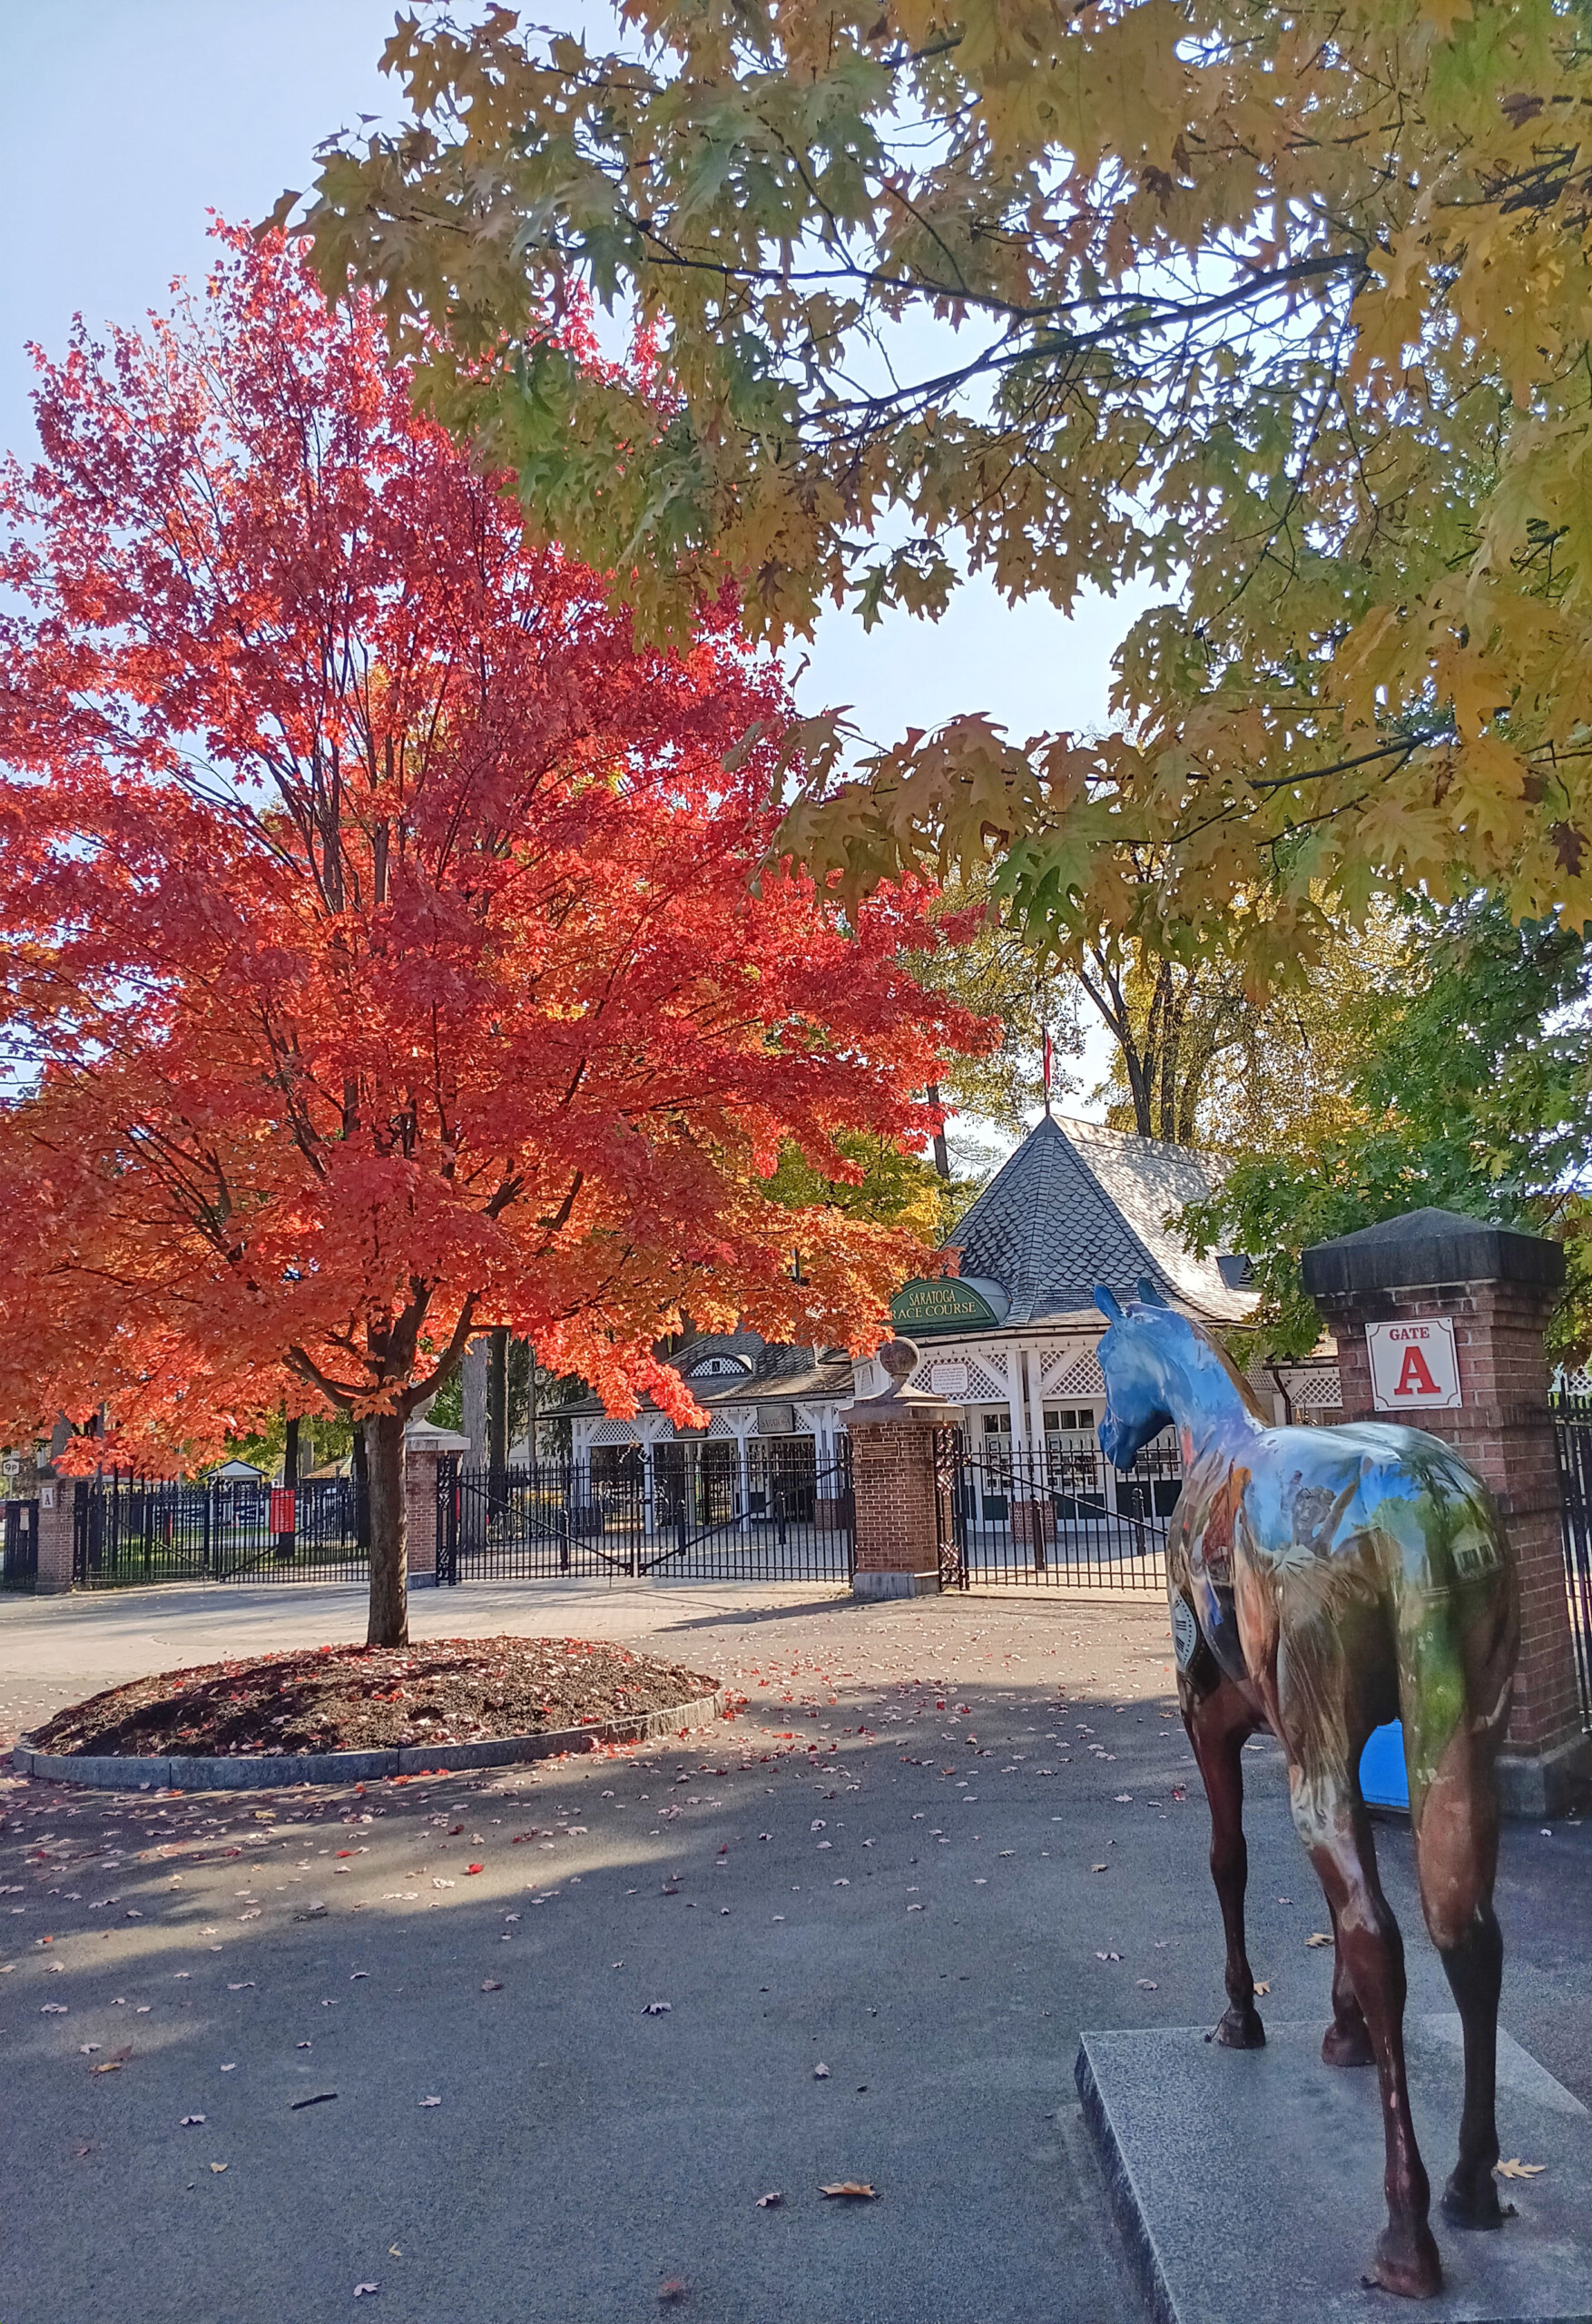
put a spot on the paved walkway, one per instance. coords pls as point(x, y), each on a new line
point(888, 1866)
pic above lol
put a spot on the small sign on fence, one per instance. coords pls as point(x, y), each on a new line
point(282, 1497)
point(1414, 1367)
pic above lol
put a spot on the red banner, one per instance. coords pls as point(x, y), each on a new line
point(281, 1509)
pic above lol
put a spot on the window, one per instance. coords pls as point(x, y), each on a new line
point(1065, 1420)
point(998, 1424)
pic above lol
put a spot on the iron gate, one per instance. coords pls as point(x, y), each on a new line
point(1572, 1432)
point(19, 1547)
point(130, 1531)
point(714, 1510)
point(1058, 1515)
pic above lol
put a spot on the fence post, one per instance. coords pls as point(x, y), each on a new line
point(57, 1531)
point(424, 1446)
point(1495, 1288)
point(895, 1485)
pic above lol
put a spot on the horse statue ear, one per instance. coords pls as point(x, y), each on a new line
point(1148, 1292)
point(1107, 1303)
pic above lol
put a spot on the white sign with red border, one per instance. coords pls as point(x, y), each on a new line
point(1414, 1367)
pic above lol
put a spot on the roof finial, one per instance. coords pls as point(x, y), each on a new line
point(1045, 1044)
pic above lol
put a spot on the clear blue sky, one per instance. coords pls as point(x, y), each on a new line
point(124, 122)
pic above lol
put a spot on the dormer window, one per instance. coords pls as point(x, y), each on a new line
point(720, 1367)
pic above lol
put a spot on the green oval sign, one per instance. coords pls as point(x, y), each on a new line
point(943, 1305)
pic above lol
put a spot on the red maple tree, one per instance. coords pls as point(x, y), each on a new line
point(390, 947)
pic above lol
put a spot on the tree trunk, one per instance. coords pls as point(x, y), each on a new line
point(383, 1435)
point(497, 1417)
point(474, 1400)
point(942, 1153)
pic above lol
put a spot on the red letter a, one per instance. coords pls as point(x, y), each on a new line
point(1415, 1380)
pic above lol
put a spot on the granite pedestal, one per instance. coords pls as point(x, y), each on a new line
point(1247, 2184)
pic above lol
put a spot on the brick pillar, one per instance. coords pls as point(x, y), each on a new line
point(897, 1493)
point(1497, 1288)
point(57, 1511)
point(424, 1445)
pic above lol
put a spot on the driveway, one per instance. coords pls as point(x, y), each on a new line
point(945, 1834)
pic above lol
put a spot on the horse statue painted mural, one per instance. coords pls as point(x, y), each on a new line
point(1323, 1581)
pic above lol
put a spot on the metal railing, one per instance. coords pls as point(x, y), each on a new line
point(1056, 1516)
point(19, 1546)
point(129, 1532)
point(1572, 1434)
point(765, 1510)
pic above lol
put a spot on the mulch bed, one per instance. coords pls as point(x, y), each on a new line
point(370, 1698)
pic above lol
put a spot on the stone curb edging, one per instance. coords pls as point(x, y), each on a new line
point(281, 1769)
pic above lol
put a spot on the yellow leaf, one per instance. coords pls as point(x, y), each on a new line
point(1515, 2169)
point(1321, 1936)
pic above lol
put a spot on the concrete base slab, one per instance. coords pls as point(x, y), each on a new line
point(895, 1585)
point(1547, 1784)
point(1248, 2183)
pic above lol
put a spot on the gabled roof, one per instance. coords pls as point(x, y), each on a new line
point(772, 1375)
point(1078, 1205)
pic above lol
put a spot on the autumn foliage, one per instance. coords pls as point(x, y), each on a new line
point(389, 946)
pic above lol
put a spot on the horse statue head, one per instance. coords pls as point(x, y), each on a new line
point(1132, 1360)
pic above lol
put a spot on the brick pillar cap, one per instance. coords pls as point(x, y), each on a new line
point(911, 1406)
point(1429, 1246)
point(425, 1436)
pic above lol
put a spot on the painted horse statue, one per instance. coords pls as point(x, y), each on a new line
point(1323, 1581)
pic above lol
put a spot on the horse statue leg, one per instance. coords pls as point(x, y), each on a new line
point(1455, 1818)
point(1331, 1820)
point(1218, 1723)
point(1345, 2041)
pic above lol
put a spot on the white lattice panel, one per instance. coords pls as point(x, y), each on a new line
point(1081, 1377)
point(985, 1385)
point(1318, 1390)
point(614, 1432)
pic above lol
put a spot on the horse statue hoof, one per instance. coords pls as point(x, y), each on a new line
point(1407, 2263)
point(1347, 2046)
point(1470, 2200)
point(1241, 2029)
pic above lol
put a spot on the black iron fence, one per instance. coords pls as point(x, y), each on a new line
point(130, 1530)
point(1058, 1515)
point(767, 1510)
point(1572, 1430)
point(19, 1545)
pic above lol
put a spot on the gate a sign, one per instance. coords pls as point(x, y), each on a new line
point(1414, 1367)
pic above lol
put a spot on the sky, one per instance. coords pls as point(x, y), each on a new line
point(125, 122)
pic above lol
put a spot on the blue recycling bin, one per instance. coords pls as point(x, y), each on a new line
point(1384, 1781)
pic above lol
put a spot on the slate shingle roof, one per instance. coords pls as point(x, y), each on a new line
point(1077, 1205)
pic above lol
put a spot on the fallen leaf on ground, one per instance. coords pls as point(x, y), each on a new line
point(491, 1985)
point(852, 2186)
point(768, 2203)
point(656, 2008)
point(1515, 2169)
point(186, 2121)
point(672, 2291)
point(431, 2101)
point(1321, 1936)
point(1147, 1985)
point(1099, 1867)
point(820, 2073)
point(218, 2168)
point(361, 2291)
point(1261, 1986)
point(1107, 1956)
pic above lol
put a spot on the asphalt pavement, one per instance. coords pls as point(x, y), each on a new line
point(533, 2046)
